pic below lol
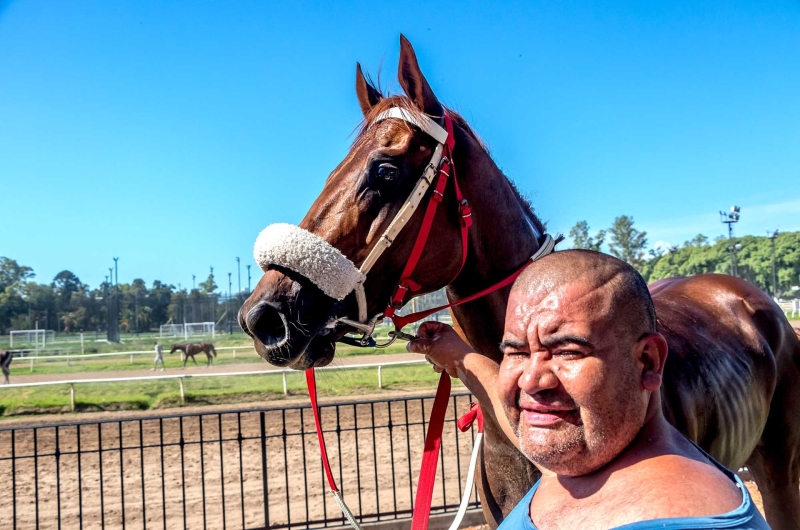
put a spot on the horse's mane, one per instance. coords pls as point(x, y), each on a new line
point(406, 104)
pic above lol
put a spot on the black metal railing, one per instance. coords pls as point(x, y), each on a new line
point(232, 469)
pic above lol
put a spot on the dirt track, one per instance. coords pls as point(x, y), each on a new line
point(394, 451)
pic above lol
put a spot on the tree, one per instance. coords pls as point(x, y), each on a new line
point(627, 243)
point(581, 239)
point(64, 284)
point(12, 273)
point(209, 286)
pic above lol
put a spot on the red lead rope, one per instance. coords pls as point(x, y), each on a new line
point(433, 439)
point(430, 457)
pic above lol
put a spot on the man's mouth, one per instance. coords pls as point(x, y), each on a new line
point(539, 416)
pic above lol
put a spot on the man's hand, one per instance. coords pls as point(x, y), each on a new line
point(442, 347)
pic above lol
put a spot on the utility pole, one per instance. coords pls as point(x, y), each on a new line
point(116, 272)
point(230, 299)
point(772, 236)
point(248, 279)
point(136, 312)
point(194, 286)
point(729, 218)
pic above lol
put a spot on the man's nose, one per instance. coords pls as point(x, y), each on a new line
point(538, 375)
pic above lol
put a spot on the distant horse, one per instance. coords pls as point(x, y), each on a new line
point(5, 362)
point(190, 350)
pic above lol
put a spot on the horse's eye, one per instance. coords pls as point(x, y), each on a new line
point(386, 172)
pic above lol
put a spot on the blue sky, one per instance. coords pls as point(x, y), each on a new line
point(170, 133)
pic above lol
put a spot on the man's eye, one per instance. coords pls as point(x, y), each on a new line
point(386, 172)
point(568, 354)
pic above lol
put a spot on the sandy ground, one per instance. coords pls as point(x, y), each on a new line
point(213, 369)
point(222, 482)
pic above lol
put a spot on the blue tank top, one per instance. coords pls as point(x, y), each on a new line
point(745, 517)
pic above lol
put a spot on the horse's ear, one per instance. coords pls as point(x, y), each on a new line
point(414, 83)
point(368, 95)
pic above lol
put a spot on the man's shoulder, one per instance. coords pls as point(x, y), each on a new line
point(660, 487)
point(671, 486)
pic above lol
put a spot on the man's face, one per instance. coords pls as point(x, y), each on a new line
point(569, 382)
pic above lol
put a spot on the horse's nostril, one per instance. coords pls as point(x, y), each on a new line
point(268, 325)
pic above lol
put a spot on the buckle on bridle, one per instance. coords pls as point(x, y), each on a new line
point(465, 211)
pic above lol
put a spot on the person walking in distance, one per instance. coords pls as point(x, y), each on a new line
point(159, 357)
point(5, 362)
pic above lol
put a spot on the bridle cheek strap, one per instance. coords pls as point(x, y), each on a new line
point(446, 171)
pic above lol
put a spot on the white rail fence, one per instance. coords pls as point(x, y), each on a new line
point(181, 377)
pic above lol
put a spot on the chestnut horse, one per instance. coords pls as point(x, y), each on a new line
point(190, 350)
point(732, 379)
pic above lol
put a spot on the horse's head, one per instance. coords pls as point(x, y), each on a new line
point(292, 321)
point(175, 347)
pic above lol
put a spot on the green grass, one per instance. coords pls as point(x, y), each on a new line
point(145, 361)
point(71, 343)
point(144, 395)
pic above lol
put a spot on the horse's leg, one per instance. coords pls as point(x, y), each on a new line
point(775, 464)
point(194, 360)
point(6, 373)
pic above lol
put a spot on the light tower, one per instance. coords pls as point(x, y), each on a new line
point(772, 236)
point(729, 218)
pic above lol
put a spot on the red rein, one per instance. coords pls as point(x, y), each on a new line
point(433, 440)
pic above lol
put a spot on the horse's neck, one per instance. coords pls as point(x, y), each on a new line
point(501, 239)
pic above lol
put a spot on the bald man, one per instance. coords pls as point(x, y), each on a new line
point(578, 392)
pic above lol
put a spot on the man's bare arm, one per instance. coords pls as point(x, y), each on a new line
point(442, 347)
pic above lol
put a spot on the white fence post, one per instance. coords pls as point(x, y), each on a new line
point(180, 381)
point(31, 364)
point(72, 396)
point(81, 342)
point(285, 389)
point(131, 359)
point(380, 379)
point(234, 354)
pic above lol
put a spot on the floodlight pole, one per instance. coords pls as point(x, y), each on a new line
point(194, 286)
point(116, 273)
point(772, 236)
point(248, 279)
point(729, 218)
point(239, 274)
point(230, 299)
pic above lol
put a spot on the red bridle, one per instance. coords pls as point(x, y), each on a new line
point(433, 439)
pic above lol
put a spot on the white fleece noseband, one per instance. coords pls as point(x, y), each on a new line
point(310, 256)
point(323, 264)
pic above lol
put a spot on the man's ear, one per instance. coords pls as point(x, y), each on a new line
point(652, 354)
point(414, 83)
point(368, 95)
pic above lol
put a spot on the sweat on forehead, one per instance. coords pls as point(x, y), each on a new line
point(630, 297)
